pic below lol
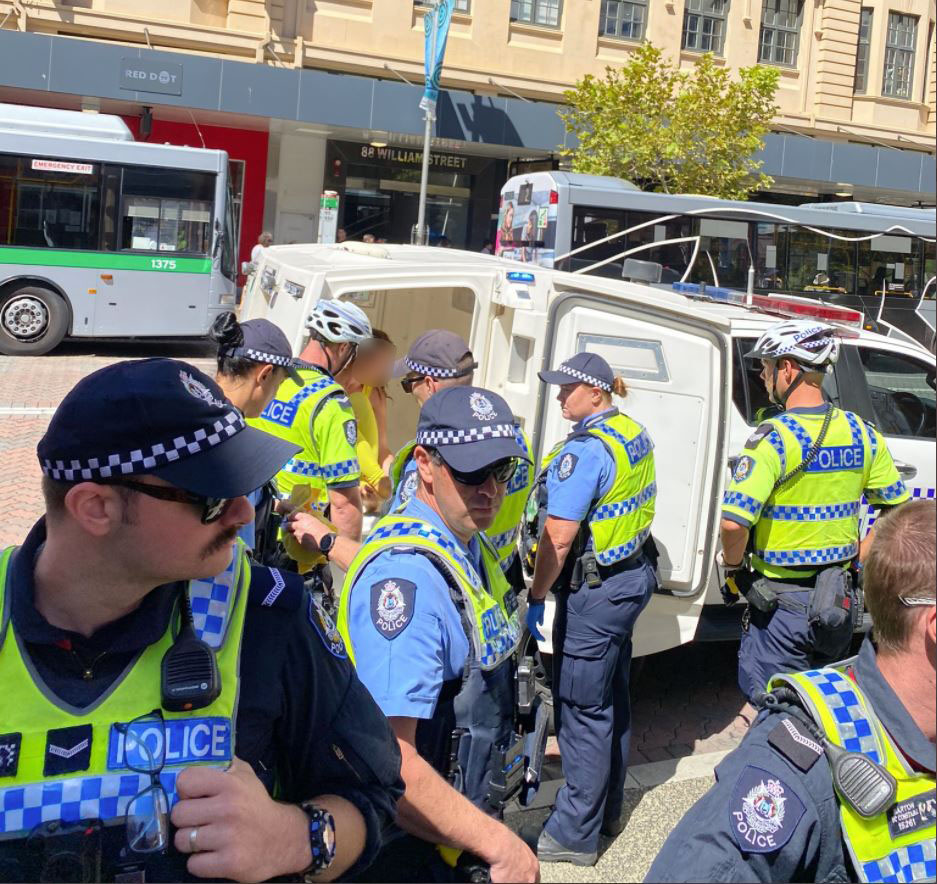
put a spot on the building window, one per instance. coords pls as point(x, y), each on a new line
point(780, 31)
point(621, 18)
point(704, 25)
point(899, 55)
point(537, 12)
point(862, 50)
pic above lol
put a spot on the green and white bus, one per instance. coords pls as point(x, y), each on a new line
point(105, 237)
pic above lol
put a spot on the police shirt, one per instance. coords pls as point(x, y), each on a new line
point(725, 837)
point(404, 660)
point(304, 723)
point(580, 474)
point(406, 487)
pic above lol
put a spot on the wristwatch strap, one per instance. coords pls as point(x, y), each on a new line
point(321, 839)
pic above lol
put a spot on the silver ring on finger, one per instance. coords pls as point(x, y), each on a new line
point(193, 836)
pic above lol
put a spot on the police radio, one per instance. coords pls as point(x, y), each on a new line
point(189, 677)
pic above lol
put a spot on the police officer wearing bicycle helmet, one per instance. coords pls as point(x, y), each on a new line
point(790, 514)
point(318, 417)
point(152, 674)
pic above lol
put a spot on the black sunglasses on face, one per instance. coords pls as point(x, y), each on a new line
point(408, 383)
point(213, 508)
point(502, 471)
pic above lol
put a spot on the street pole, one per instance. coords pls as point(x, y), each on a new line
point(427, 135)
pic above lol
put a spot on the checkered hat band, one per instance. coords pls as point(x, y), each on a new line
point(431, 371)
point(260, 356)
point(142, 460)
point(458, 437)
point(586, 378)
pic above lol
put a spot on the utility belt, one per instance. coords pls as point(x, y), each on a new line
point(832, 609)
point(587, 569)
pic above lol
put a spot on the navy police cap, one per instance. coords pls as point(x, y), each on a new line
point(583, 368)
point(469, 427)
point(158, 417)
point(265, 343)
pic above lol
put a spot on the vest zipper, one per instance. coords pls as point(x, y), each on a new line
point(337, 752)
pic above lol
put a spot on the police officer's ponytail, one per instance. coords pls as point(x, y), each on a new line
point(619, 387)
point(226, 331)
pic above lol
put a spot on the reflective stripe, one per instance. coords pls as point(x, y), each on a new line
point(618, 553)
point(499, 540)
point(742, 501)
point(853, 422)
point(103, 798)
point(623, 507)
point(808, 556)
point(305, 392)
point(855, 729)
point(333, 471)
point(777, 443)
point(519, 479)
point(811, 513)
point(422, 529)
point(800, 434)
point(889, 492)
point(918, 862)
point(637, 448)
point(211, 604)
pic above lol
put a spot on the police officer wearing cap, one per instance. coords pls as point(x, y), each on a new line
point(835, 779)
point(790, 515)
point(169, 710)
point(432, 626)
point(254, 359)
point(596, 552)
point(437, 360)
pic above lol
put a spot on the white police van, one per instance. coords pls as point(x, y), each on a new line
point(680, 355)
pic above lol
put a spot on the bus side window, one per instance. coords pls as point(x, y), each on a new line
point(110, 200)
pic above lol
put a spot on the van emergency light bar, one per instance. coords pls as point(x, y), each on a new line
point(780, 305)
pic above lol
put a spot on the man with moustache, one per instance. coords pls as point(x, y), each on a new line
point(168, 709)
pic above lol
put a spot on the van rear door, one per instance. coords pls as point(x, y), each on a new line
point(677, 369)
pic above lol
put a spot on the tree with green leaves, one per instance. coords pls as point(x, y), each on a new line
point(671, 130)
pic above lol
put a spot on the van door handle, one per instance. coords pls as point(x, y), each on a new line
point(905, 470)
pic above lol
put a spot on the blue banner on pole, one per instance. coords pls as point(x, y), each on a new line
point(436, 29)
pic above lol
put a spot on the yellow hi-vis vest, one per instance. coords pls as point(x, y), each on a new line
point(504, 529)
point(99, 784)
point(496, 629)
point(897, 845)
point(620, 521)
point(289, 416)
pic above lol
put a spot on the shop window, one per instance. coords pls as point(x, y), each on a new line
point(537, 12)
point(167, 210)
point(50, 204)
point(624, 19)
point(899, 55)
point(704, 25)
point(780, 31)
point(902, 393)
point(862, 51)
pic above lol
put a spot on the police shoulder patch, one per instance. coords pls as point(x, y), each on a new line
point(351, 432)
point(743, 469)
point(326, 630)
point(408, 486)
point(763, 811)
point(566, 465)
point(760, 433)
point(392, 606)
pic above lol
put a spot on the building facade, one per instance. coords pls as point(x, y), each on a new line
point(330, 91)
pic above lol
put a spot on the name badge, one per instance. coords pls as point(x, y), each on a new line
point(185, 741)
point(913, 814)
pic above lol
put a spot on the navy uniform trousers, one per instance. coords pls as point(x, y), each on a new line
point(591, 670)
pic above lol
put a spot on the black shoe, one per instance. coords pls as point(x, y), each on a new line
point(549, 850)
point(613, 828)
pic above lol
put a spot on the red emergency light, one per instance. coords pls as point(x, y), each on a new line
point(805, 308)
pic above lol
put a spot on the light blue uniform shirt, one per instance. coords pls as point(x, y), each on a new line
point(247, 532)
point(405, 670)
point(580, 474)
point(406, 487)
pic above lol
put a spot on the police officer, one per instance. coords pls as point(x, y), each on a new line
point(432, 626)
point(139, 650)
point(794, 499)
point(596, 550)
point(254, 359)
point(437, 360)
point(318, 417)
point(784, 806)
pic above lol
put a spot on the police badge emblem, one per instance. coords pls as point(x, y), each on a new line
point(326, 630)
point(408, 489)
point(764, 811)
point(482, 407)
point(566, 466)
point(198, 389)
point(743, 469)
point(351, 432)
point(392, 606)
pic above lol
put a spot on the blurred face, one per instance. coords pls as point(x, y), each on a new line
point(579, 400)
point(266, 239)
point(374, 365)
point(466, 509)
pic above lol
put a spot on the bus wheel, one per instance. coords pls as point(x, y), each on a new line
point(33, 320)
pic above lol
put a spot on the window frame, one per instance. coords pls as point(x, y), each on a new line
point(620, 5)
point(704, 16)
point(898, 69)
point(776, 30)
point(536, 6)
point(861, 79)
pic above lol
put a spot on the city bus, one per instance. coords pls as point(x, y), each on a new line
point(105, 237)
point(878, 259)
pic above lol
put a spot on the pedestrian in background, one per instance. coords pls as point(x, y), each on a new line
point(264, 241)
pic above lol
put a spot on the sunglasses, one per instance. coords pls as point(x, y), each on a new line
point(408, 383)
point(213, 508)
point(502, 471)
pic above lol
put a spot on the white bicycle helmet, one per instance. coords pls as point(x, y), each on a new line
point(812, 345)
point(339, 322)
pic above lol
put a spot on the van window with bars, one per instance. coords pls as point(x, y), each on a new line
point(780, 31)
point(862, 50)
point(704, 25)
point(537, 12)
point(623, 18)
point(898, 78)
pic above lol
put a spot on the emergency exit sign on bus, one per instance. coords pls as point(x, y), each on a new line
point(62, 166)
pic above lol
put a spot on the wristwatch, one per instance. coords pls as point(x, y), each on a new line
point(321, 838)
point(326, 543)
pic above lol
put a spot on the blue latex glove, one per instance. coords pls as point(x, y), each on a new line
point(535, 619)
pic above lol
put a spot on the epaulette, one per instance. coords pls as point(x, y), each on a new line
point(275, 588)
point(761, 432)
